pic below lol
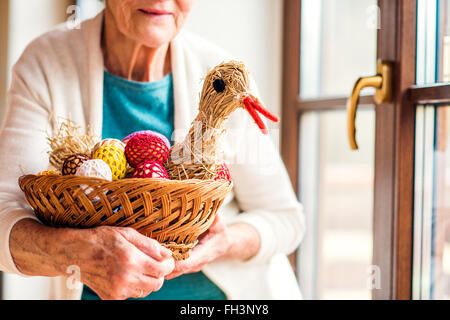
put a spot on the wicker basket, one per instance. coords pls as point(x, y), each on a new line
point(173, 212)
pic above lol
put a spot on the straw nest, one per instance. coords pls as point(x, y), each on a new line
point(67, 141)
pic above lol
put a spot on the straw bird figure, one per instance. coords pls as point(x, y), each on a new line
point(225, 89)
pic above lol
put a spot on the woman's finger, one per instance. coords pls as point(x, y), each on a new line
point(146, 285)
point(157, 269)
point(217, 221)
point(184, 270)
point(198, 257)
point(147, 245)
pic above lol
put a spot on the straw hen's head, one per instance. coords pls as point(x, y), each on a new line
point(227, 88)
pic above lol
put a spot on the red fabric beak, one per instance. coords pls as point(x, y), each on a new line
point(253, 106)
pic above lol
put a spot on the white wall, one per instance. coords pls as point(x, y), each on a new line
point(27, 20)
point(251, 30)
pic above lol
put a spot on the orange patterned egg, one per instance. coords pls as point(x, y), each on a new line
point(47, 173)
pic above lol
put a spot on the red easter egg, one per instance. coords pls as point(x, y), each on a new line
point(150, 169)
point(222, 173)
point(145, 147)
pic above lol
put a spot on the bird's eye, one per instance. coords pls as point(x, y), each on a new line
point(219, 85)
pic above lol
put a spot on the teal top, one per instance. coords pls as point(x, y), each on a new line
point(130, 106)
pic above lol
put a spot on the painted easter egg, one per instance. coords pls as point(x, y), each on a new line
point(150, 133)
point(150, 169)
point(114, 158)
point(222, 173)
point(73, 162)
point(47, 173)
point(146, 147)
point(95, 168)
point(104, 142)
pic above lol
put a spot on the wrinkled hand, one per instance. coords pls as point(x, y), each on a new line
point(213, 245)
point(117, 263)
point(121, 263)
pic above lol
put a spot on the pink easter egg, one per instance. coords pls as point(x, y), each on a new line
point(147, 132)
point(150, 169)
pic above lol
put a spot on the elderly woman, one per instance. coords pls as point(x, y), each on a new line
point(128, 69)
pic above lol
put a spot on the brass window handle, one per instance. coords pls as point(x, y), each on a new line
point(382, 82)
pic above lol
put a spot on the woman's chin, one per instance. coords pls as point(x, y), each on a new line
point(155, 37)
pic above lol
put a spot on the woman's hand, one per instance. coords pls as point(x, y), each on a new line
point(122, 263)
point(238, 241)
point(117, 263)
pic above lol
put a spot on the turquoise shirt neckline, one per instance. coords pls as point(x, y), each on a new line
point(130, 106)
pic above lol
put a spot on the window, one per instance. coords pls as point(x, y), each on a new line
point(335, 184)
point(386, 206)
point(431, 266)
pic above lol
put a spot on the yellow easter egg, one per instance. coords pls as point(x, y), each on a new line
point(115, 158)
point(104, 142)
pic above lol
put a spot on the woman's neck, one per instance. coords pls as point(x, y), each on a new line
point(129, 59)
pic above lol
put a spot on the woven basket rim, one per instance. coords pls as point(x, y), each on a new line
point(128, 180)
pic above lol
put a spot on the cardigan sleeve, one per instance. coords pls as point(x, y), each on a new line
point(23, 148)
point(263, 190)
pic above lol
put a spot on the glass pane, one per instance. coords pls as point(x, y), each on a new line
point(336, 188)
point(433, 41)
point(431, 259)
point(444, 41)
point(338, 45)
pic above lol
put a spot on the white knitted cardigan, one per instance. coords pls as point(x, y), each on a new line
point(61, 73)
